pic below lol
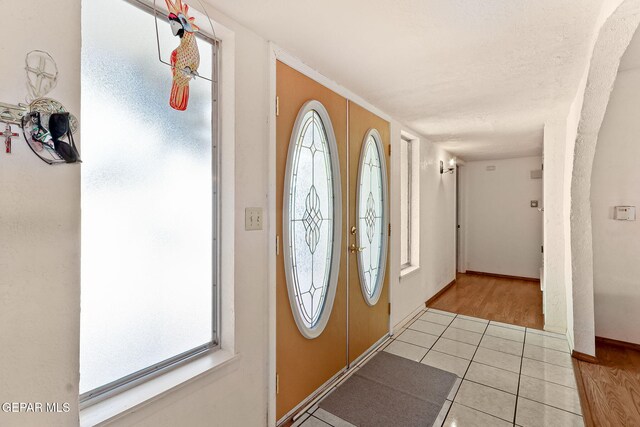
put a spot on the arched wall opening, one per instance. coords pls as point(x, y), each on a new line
point(615, 181)
point(612, 42)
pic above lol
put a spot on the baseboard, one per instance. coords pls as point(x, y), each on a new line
point(406, 319)
point(584, 357)
point(582, 394)
point(625, 344)
point(503, 276)
point(440, 292)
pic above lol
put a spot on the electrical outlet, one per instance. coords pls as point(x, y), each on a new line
point(253, 219)
point(534, 203)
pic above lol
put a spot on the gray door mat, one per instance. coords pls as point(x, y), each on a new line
point(390, 390)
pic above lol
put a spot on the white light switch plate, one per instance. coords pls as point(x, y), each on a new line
point(624, 213)
point(253, 219)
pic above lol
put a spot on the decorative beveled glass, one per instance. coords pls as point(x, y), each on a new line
point(372, 217)
point(312, 219)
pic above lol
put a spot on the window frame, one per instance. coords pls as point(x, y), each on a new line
point(141, 376)
point(409, 175)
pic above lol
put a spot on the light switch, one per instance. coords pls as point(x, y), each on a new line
point(624, 213)
point(253, 219)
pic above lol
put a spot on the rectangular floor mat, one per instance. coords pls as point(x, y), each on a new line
point(390, 390)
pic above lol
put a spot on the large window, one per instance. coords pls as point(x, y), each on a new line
point(406, 181)
point(149, 215)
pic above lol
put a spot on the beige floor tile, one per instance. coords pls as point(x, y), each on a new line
point(446, 362)
point(397, 330)
point(331, 419)
point(556, 395)
point(534, 414)
point(417, 338)
point(547, 333)
point(461, 335)
point(446, 313)
point(475, 319)
point(454, 389)
point(507, 325)
point(502, 345)
point(547, 342)
point(442, 415)
point(493, 377)
point(300, 420)
point(548, 372)
point(406, 350)
point(427, 327)
point(314, 422)
point(506, 333)
point(498, 359)
point(455, 348)
point(548, 355)
point(468, 325)
point(462, 416)
point(440, 319)
point(487, 399)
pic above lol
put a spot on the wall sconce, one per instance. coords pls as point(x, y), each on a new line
point(450, 169)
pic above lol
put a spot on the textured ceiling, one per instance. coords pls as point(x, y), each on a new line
point(478, 76)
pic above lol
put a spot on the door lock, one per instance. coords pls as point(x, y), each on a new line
point(353, 248)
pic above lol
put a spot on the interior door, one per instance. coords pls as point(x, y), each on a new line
point(307, 356)
point(369, 230)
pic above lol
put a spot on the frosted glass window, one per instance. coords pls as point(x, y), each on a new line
point(312, 229)
point(405, 201)
point(371, 201)
point(148, 173)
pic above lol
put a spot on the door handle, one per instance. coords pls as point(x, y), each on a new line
point(353, 248)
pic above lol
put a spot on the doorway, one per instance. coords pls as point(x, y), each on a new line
point(332, 226)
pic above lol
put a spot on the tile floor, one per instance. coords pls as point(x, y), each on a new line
point(507, 375)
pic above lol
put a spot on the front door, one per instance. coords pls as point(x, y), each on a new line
point(368, 230)
point(311, 281)
point(332, 230)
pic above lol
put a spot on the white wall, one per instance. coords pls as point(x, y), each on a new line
point(503, 234)
point(616, 181)
point(554, 297)
point(437, 230)
point(39, 230)
point(40, 246)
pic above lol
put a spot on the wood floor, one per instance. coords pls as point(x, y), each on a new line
point(514, 301)
point(611, 386)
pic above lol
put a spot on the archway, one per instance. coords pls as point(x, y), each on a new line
point(613, 39)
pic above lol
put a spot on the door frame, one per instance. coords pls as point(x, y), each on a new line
point(276, 53)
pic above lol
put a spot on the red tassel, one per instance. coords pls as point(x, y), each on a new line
point(179, 97)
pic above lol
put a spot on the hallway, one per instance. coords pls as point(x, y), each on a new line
point(507, 375)
point(275, 235)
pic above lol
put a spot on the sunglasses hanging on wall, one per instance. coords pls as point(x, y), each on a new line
point(47, 126)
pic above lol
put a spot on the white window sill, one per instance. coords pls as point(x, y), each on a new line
point(129, 400)
point(408, 270)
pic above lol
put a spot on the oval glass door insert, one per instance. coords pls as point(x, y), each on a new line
point(372, 217)
point(312, 219)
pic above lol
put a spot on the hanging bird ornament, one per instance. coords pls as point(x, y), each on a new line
point(185, 59)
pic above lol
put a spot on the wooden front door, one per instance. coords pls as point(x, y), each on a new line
point(303, 363)
point(368, 230)
point(332, 209)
